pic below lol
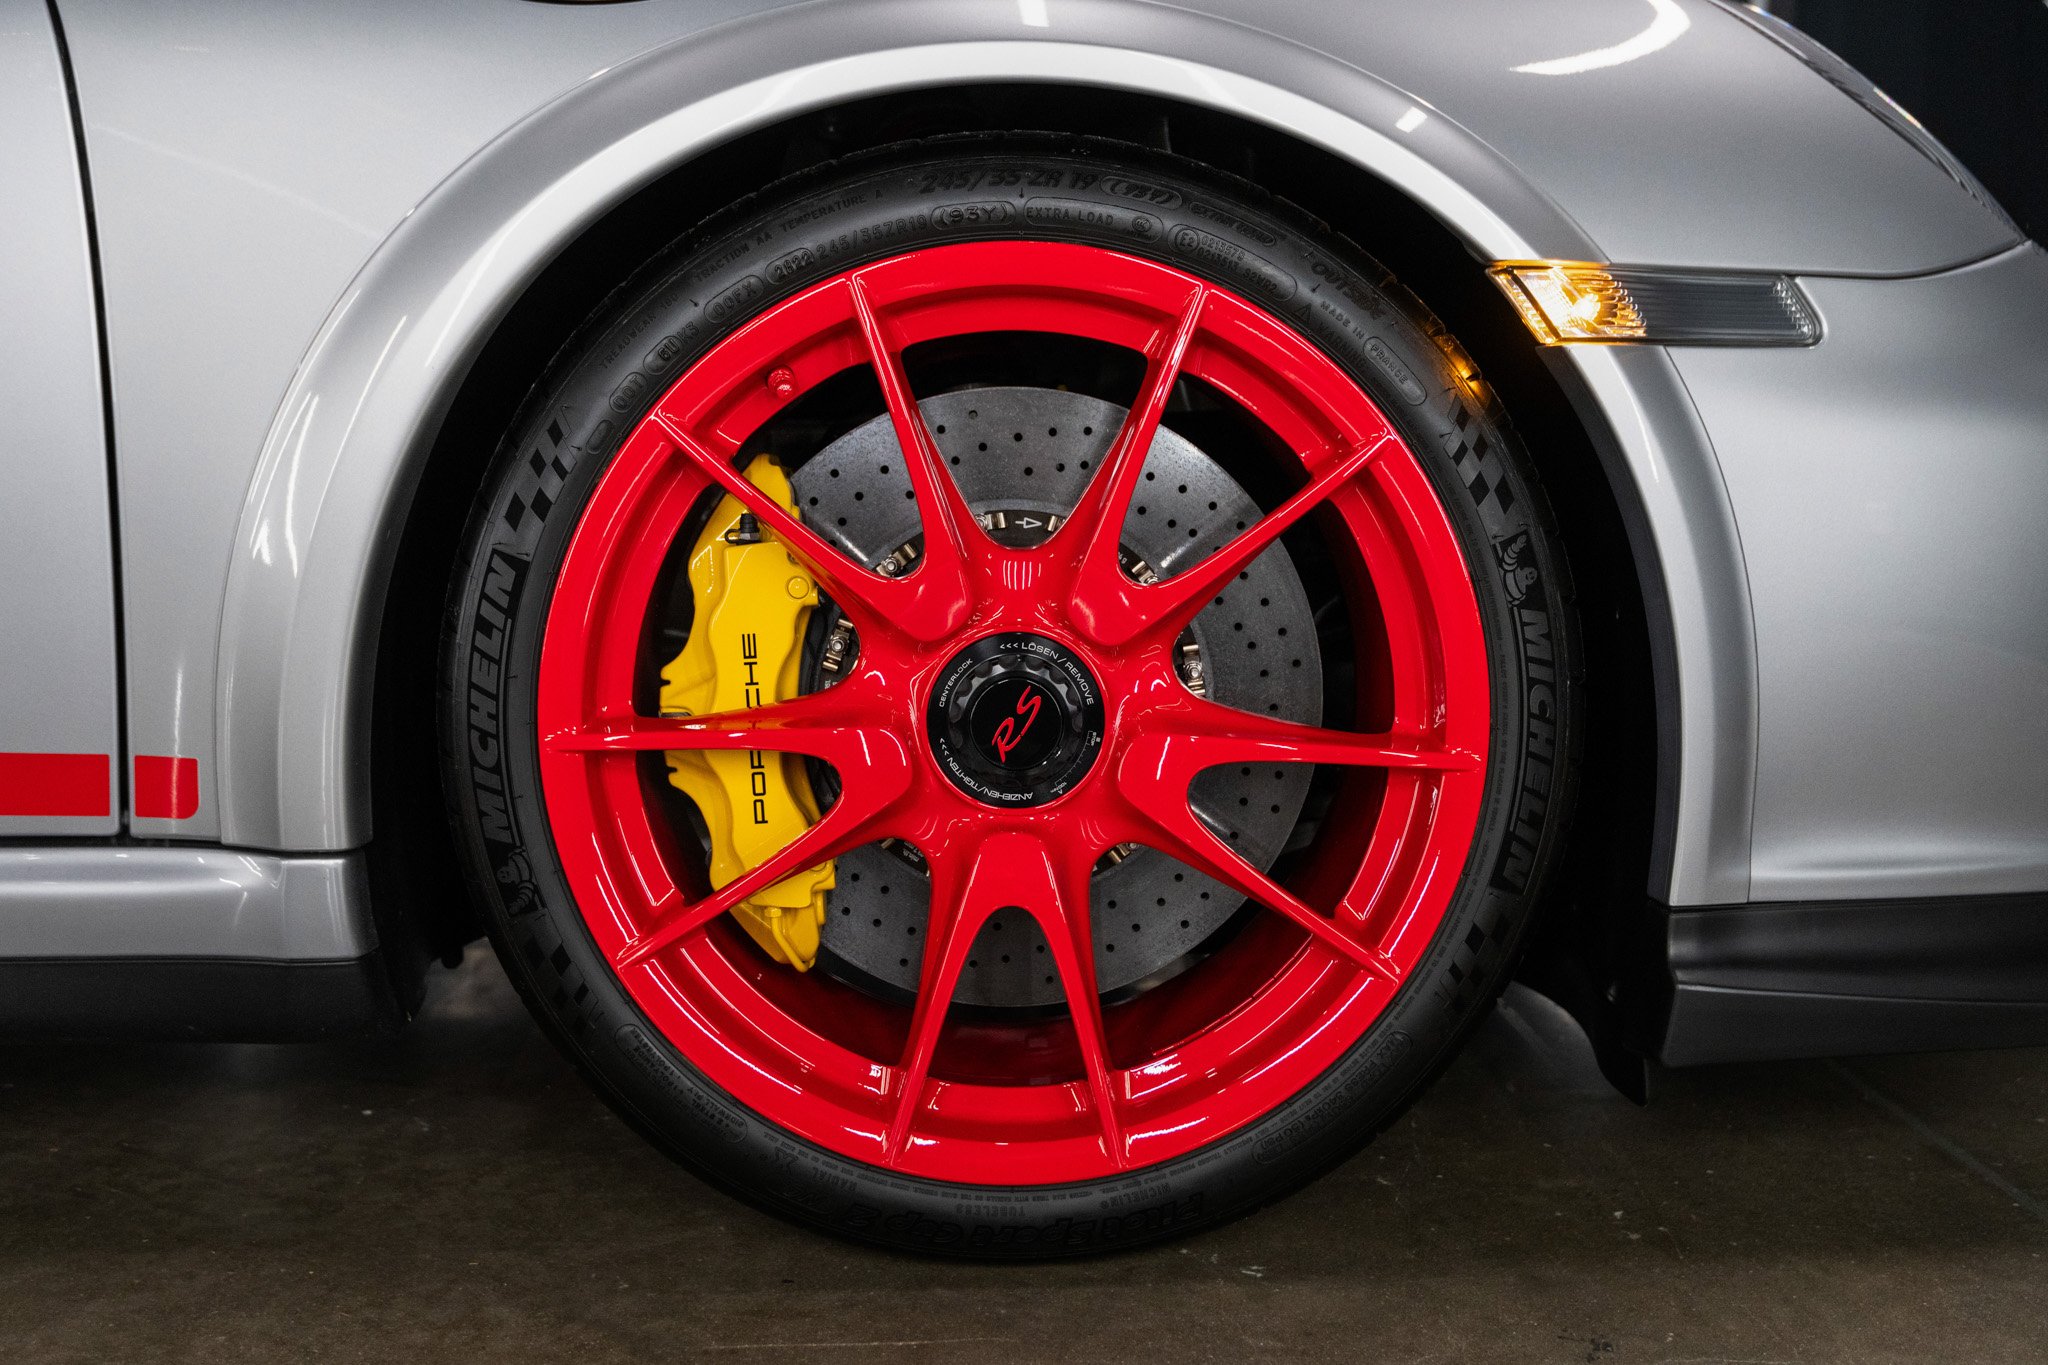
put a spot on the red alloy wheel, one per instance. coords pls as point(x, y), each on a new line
point(1129, 1084)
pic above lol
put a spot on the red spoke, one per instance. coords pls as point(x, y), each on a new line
point(1098, 519)
point(826, 725)
point(1181, 836)
point(1209, 734)
point(941, 571)
point(1060, 905)
point(968, 886)
point(956, 916)
point(845, 827)
point(868, 597)
point(1173, 602)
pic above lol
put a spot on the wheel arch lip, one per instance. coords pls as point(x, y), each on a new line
point(307, 581)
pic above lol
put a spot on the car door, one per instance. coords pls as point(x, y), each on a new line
point(60, 752)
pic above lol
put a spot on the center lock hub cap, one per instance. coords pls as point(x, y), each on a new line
point(1015, 720)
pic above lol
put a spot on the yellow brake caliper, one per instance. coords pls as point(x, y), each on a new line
point(753, 601)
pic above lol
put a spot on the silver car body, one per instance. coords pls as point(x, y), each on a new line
point(310, 217)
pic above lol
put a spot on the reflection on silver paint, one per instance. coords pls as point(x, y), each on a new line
point(1891, 487)
point(56, 548)
point(182, 902)
point(1667, 23)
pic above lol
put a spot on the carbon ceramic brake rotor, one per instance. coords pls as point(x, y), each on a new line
point(1027, 454)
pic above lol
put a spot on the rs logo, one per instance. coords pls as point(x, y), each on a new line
point(1010, 734)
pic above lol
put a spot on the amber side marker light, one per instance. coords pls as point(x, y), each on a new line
point(1578, 303)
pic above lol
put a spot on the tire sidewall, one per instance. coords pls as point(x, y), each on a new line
point(702, 287)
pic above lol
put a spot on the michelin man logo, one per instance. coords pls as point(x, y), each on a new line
point(1517, 566)
point(515, 874)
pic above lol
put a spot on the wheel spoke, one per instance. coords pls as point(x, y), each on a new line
point(1175, 601)
point(941, 574)
point(871, 599)
point(958, 909)
point(849, 824)
point(1176, 832)
point(1060, 905)
point(1208, 734)
point(968, 886)
point(1097, 522)
point(840, 730)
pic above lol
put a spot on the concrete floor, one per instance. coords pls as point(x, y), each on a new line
point(455, 1195)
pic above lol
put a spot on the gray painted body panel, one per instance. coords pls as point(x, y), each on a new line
point(57, 668)
point(1890, 486)
point(182, 902)
point(249, 160)
point(1715, 150)
point(312, 215)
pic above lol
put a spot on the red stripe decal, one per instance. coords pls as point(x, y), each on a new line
point(76, 785)
point(166, 788)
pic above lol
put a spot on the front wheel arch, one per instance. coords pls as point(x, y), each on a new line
point(1607, 866)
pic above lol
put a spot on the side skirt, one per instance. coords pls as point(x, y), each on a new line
point(204, 944)
point(197, 1000)
point(1838, 978)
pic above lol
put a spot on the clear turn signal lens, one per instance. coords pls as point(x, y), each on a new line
point(1571, 303)
point(1566, 302)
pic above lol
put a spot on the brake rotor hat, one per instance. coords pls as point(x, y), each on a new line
point(1022, 456)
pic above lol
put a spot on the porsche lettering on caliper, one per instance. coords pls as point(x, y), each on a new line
point(752, 603)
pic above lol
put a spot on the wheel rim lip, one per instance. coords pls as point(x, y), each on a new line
point(1247, 1063)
